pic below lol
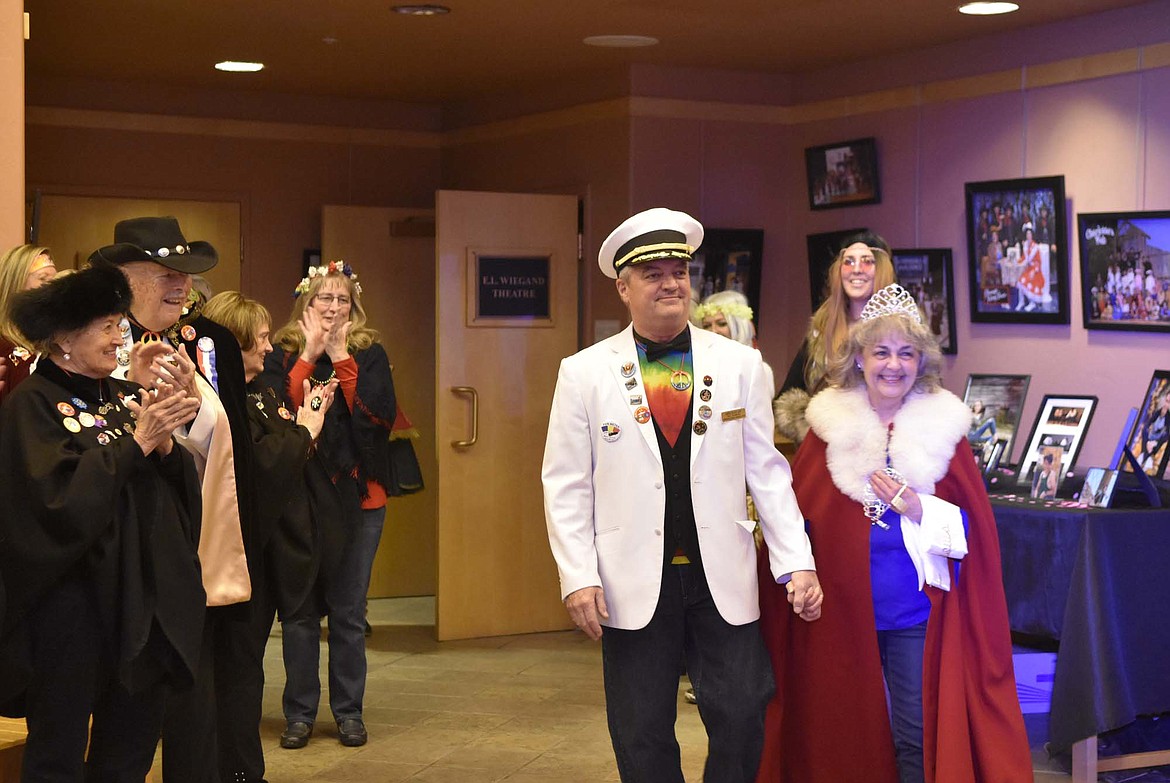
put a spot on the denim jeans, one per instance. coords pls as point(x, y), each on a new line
point(727, 664)
point(346, 603)
point(901, 651)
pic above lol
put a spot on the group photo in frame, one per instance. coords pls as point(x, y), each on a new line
point(1125, 270)
point(1016, 251)
point(927, 274)
point(729, 259)
point(1148, 438)
point(844, 174)
point(996, 403)
point(822, 252)
point(1054, 442)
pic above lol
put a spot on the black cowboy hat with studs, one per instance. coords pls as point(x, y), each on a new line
point(156, 239)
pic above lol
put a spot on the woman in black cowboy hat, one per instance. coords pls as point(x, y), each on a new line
point(98, 523)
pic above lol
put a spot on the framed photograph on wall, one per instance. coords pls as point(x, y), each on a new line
point(1017, 251)
point(926, 274)
point(1056, 438)
point(730, 259)
point(1125, 270)
point(1151, 430)
point(996, 403)
point(822, 252)
point(844, 174)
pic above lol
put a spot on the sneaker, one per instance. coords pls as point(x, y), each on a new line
point(296, 734)
point(352, 732)
point(689, 696)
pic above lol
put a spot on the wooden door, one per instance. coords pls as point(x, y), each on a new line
point(392, 251)
point(496, 573)
point(72, 227)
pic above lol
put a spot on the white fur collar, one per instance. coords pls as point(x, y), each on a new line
point(926, 430)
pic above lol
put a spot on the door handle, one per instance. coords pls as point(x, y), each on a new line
point(469, 390)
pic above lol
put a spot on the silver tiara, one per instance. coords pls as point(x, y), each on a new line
point(891, 300)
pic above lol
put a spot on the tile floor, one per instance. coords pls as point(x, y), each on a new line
point(519, 708)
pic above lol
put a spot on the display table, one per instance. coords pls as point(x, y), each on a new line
point(1098, 582)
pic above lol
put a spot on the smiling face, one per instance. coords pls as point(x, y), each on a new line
point(890, 367)
point(658, 294)
point(332, 301)
point(254, 356)
point(93, 349)
point(159, 293)
point(857, 272)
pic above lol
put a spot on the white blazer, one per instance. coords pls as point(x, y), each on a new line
point(604, 495)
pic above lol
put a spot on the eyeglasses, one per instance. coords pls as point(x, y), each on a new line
point(862, 261)
point(329, 299)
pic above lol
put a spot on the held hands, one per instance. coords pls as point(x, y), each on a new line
point(898, 495)
point(585, 607)
point(323, 339)
point(316, 335)
point(805, 595)
point(159, 412)
point(155, 364)
point(311, 415)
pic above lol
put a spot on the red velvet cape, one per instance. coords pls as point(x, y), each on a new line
point(828, 720)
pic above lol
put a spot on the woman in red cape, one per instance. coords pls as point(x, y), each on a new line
point(829, 720)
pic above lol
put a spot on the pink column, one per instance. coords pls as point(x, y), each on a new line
point(12, 211)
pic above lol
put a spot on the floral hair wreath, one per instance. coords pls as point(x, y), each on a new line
point(733, 309)
point(333, 267)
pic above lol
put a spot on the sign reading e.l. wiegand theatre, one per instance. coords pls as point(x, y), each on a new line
point(513, 287)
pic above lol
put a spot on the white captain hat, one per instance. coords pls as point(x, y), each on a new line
point(648, 236)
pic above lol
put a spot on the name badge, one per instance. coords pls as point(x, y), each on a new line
point(736, 413)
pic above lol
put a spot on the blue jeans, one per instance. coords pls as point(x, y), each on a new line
point(727, 664)
point(901, 651)
point(346, 604)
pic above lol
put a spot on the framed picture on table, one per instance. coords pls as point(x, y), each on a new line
point(1125, 270)
point(843, 174)
point(1151, 430)
point(1017, 251)
point(926, 274)
point(1056, 438)
point(996, 403)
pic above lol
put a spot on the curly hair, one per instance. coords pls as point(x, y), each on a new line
point(843, 369)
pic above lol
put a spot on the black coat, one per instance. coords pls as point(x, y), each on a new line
point(80, 500)
point(301, 526)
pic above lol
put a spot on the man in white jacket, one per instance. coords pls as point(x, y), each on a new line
point(653, 436)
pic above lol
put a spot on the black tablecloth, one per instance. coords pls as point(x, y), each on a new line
point(1097, 581)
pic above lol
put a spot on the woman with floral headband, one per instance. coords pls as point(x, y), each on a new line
point(729, 314)
point(893, 504)
point(327, 338)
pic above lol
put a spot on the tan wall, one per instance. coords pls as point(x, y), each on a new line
point(280, 184)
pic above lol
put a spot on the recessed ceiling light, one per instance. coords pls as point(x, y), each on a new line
point(620, 41)
point(238, 67)
point(421, 10)
point(988, 8)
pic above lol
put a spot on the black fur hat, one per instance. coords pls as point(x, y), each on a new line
point(67, 303)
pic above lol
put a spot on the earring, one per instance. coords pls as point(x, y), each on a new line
point(858, 365)
point(65, 356)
